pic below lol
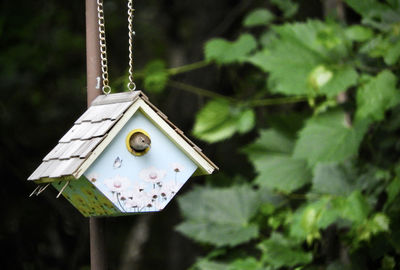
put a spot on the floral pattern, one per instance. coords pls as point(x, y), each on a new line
point(152, 175)
point(150, 191)
point(177, 167)
point(117, 184)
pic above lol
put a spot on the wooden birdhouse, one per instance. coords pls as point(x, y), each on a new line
point(122, 156)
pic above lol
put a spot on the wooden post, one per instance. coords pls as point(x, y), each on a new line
point(92, 52)
point(97, 244)
point(93, 71)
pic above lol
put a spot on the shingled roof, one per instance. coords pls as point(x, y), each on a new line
point(98, 126)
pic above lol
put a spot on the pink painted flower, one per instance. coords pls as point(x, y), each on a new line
point(177, 167)
point(117, 184)
point(152, 175)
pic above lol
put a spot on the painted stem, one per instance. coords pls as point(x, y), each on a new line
point(119, 202)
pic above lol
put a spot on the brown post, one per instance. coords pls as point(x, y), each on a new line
point(93, 70)
point(92, 52)
point(97, 244)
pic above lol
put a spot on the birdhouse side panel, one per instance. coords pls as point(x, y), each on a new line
point(141, 183)
point(84, 196)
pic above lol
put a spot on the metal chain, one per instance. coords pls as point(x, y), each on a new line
point(131, 84)
point(103, 48)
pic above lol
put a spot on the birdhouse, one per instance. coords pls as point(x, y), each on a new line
point(122, 156)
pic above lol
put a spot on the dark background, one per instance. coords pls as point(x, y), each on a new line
point(43, 91)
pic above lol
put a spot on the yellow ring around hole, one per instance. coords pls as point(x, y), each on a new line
point(128, 146)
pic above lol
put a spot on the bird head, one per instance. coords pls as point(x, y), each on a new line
point(139, 142)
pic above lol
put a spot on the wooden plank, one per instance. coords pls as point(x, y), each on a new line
point(65, 167)
point(58, 169)
point(50, 169)
point(72, 166)
point(70, 134)
point(39, 171)
point(81, 130)
point(119, 110)
point(88, 147)
point(55, 152)
point(116, 98)
point(89, 131)
point(104, 128)
point(73, 147)
point(89, 115)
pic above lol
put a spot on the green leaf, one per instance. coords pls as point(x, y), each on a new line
point(271, 157)
point(393, 54)
point(219, 120)
point(288, 7)
point(376, 47)
point(156, 76)
point(329, 138)
point(281, 172)
point(249, 263)
point(343, 78)
point(225, 52)
point(213, 122)
point(299, 60)
point(246, 121)
point(377, 96)
point(218, 234)
point(289, 63)
point(220, 216)
point(258, 17)
point(366, 8)
point(392, 190)
point(270, 140)
point(319, 76)
point(377, 224)
point(388, 262)
point(308, 220)
point(210, 265)
point(354, 207)
point(359, 33)
point(334, 178)
point(279, 251)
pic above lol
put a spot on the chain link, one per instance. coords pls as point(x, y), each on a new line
point(131, 84)
point(103, 48)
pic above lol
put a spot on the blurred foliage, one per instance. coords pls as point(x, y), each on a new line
point(339, 185)
point(304, 126)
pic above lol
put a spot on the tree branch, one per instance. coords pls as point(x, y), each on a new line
point(187, 68)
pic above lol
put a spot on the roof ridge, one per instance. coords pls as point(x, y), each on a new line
point(116, 98)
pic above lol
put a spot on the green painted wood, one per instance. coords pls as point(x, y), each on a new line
point(85, 197)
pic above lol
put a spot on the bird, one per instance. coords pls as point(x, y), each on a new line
point(139, 142)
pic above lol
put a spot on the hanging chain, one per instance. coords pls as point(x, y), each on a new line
point(131, 84)
point(103, 48)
